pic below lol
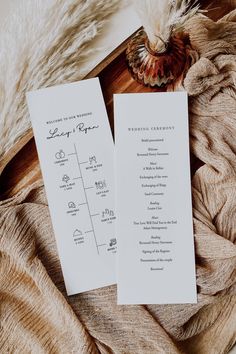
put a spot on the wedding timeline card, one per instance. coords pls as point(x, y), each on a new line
point(75, 147)
point(155, 259)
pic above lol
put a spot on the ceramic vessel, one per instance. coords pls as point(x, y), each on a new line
point(155, 69)
point(160, 53)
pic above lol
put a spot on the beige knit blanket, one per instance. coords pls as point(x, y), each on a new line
point(37, 316)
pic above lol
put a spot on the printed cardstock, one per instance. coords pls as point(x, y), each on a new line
point(76, 151)
point(154, 225)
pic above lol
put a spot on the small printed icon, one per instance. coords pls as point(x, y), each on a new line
point(100, 184)
point(71, 205)
point(65, 178)
point(77, 233)
point(60, 155)
point(92, 159)
point(112, 242)
point(107, 212)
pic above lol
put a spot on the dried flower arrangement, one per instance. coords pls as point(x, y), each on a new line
point(160, 53)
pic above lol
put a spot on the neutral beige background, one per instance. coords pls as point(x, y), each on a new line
point(121, 25)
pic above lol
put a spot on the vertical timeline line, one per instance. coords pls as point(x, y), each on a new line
point(77, 159)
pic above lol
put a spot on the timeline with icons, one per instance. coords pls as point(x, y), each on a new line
point(75, 148)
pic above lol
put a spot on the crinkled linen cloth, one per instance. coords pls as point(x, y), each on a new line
point(38, 317)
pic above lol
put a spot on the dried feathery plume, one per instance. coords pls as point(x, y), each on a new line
point(160, 18)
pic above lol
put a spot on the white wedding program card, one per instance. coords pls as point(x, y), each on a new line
point(153, 199)
point(75, 147)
